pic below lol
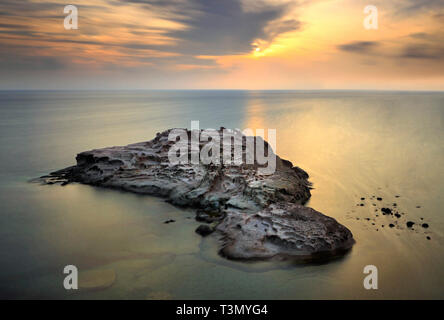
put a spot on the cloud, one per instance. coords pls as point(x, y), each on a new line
point(427, 47)
point(417, 6)
point(420, 35)
point(215, 40)
point(439, 17)
point(216, 27)
point(424, 45)
point(13, 26)
point(361, 47)
point(148, 29)
point(26, 62)
point(423, 52)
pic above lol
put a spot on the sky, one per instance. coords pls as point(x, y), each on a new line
point(222, 44)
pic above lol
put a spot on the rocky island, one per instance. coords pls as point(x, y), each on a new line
point(256, 216)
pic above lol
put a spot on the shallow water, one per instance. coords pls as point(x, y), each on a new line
point(353, 145)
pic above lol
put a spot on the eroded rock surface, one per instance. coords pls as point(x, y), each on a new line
point(257, 216)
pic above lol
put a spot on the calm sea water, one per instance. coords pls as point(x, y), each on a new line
point(353, 145)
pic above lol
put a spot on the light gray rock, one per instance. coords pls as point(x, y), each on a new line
point(258, 216)
point(283, 230)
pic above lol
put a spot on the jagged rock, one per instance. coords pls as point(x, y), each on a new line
point(259, 216)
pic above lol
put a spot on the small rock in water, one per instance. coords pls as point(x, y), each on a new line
point(397, 215)
point(379, 199)
point(206, 217)
point(361, 204)
point(410, 224)
point(425, 225)
point(428, 238)
point(391, 225)
point(418, 207)
point(386, 211)
point(169, 221)
point(204, 230)
point(362, 198)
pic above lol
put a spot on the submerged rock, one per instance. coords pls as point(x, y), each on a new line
point(204, 230)
point(257, 216)
point(159, 295)
point(96, 279)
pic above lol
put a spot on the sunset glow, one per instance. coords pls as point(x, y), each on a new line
point(230, 44)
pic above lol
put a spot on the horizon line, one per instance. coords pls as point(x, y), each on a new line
point(269, 90)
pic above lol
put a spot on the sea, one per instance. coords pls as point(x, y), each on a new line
point(357, 146)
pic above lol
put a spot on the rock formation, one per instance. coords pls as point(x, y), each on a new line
point(256, 216)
